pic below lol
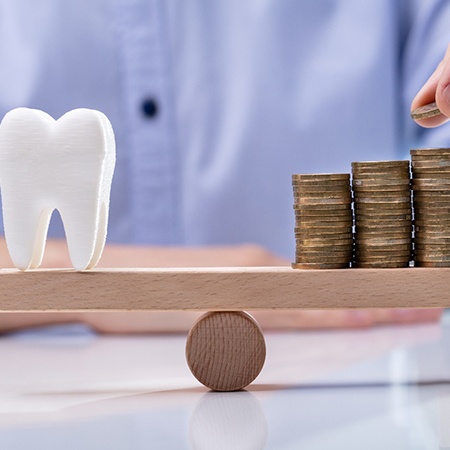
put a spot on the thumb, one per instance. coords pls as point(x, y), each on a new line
point(443, 86)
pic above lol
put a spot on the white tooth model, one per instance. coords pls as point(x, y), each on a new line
point(65, 164)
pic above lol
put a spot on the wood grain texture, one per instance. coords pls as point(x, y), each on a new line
point(215, 289)
point(225, 350)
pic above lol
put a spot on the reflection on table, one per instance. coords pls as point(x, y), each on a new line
point(66, 387)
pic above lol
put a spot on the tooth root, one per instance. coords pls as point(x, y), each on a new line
point(101, 236)
point(26, 227)
point(85, 230)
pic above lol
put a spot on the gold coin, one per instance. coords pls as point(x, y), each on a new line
point(364, 250)
point(389, 247)
point(430, 206)
point(306, 249)
point(387, 231)
point(434, 253)
point(431, 197)
point(389, 188)
point(327, 221)
point(310, 258)
point(315, 190)
point(381, 214)
point(396, 259)
point(427, 238)
point(387, 209)
point(380, 165)
point(427, 256)
point(360, 256)
point(431, 248)
point(382, 219)
point(431, 264)
point(392, 221)
point(426, 111)
point(382, 255)
point(382, 200)
point(324, 241)
point(323, 201)
point(430, 164)
point(332, 208)
point(429, 151)
point(437, 175)
point(321, 186)
point(379, 182)
point(381, 193)
point(306, 224)
point(432, 224)
point(432, 240)
point(420, 234)
point(434, 194)
point(299, 196)
point(302, 239)
point(319, 266)
point(390, 228)
point(381, 265)
point(432, 213)
point(323, 236)
point(430, 181)
point(338, 184)
point(322, 259)
point(436, 172)
point(369, 238)
point(322, 221)
point(382, 241)
point(325, 214)
point(320, 176)
point(321, 252)
point(431, 190)
point(421, 225)
point(396, 248)
point(441, 157)
point(431, 201)
point(341, 228)
point(394, 176)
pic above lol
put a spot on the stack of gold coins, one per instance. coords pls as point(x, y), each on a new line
point(431, 196)
point(383, 216)
point(323, 221)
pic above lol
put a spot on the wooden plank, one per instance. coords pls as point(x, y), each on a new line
point(219, 289)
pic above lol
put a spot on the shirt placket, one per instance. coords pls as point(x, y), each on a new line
point(147, 115)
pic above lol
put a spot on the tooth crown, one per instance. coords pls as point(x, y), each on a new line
point(65, 164)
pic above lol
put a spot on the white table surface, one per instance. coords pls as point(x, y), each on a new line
point(383, 388)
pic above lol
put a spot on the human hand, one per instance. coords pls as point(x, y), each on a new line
point(437, 88)
point(343, 318)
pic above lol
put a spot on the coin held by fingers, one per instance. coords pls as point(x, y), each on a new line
point(426, 111)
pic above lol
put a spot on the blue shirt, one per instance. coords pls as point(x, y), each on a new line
point(216, 103)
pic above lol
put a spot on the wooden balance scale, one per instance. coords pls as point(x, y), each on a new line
point(225, 349)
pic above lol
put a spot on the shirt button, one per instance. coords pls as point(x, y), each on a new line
point(149, 108)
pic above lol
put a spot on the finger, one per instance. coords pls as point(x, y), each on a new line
point(408, 315)
point(428, 93)
point(443, 86)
